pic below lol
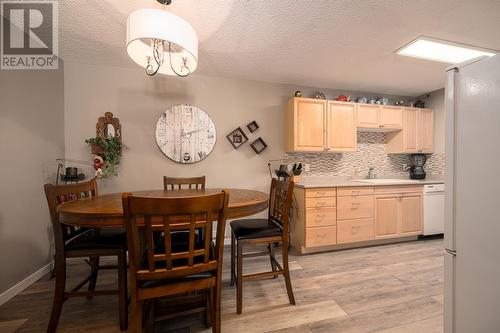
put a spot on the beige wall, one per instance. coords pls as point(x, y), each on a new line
point(436, 102)
point(31, 138)
point(138, 100)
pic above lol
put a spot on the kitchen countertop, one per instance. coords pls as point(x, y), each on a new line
point(325, 181)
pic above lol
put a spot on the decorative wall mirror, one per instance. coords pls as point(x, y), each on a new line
point(108, 126)
point(185, 134)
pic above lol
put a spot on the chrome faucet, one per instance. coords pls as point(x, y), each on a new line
point(371, 173)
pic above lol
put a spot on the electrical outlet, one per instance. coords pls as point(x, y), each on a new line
point(306, 167)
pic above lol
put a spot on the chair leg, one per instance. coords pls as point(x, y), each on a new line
point(53, 272)
point(59, 291)
point(286, 274)
point(239, 278)
point(233, 258)
point(150, 325)
point(271, 256)
point(208, 307)
point(94, 270)
point(122, 290)
point(212, 307)
point(216, 324)
point(136, 316)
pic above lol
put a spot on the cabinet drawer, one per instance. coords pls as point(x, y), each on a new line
point(398, 189)
point(320, 202)
point(321, 217)
point(350, 231)
point(321, 236)
point(345, 191)
point(319, 193)
point(355, 207)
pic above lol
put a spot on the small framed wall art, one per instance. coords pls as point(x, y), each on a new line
point(237, 138)
point(253, 126)
point(258, 145)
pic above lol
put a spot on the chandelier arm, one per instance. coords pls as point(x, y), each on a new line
point(157, 59)
point(171, 65)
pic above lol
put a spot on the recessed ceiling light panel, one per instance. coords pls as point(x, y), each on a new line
point(442, 51)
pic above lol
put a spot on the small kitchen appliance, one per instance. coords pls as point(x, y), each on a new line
point(417, 168)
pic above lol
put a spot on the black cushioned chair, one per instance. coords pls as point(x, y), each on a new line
point(270, 230)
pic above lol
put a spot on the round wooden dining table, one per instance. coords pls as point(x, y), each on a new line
point(105, 211)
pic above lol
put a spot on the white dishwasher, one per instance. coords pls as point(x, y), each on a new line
point(433, 209)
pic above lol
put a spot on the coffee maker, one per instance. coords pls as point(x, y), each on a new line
point(417, 168)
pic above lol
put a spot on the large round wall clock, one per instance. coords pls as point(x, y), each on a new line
point(185, 134)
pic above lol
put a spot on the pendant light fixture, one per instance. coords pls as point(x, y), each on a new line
point(162, 42)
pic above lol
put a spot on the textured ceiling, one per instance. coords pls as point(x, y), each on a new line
point(343, 44)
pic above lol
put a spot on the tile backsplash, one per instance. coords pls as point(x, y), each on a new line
point(371, 153)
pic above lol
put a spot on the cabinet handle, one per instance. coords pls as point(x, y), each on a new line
point(356, 203)
point(355, 229)
point(320, 236)
point(320, 204)
point(320, 216)
point(320, 193)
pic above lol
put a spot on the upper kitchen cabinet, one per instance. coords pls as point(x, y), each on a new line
point(314, 125)
point(417, 135)
point(368, 116)
point(305, 124)
point(380, 118)
point(426, 130)
point(341, 126)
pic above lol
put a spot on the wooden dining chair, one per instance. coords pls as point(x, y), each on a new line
point(72, 242)
point(165, 269)
point(172, 183)
point(271, 230)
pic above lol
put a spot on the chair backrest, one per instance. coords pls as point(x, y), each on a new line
point(57, 194)
point(280, 202)
point(162, 216)
point(172, 183)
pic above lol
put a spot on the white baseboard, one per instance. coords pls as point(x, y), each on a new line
point(16, 289)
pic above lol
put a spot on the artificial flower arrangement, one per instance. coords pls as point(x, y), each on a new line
point(106, 155)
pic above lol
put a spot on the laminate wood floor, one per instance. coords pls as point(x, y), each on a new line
point(385, 289)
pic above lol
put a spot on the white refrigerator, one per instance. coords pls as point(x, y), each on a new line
point(472, 198)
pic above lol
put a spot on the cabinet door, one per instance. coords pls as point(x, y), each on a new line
point(368, 116)
point(309, 125)
point(341, 126)
point(410, 130)
point(411, 214)
point(391, 117)
point(386, 216)
point(426, 131)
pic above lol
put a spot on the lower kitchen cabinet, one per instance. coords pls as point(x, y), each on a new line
point(332, 218)
point(351, 231)
point(398, 214)
point(386, 216)
point(321, 236)
point(411, 214)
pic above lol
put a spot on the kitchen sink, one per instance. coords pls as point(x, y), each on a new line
point(386, 181)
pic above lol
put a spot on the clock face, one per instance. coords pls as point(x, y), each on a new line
point(185, 133)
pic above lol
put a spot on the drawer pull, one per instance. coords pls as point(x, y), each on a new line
point(320, 203)
point(320, 216)
point(355, 229)
point(356, 203)
point(321, 236)
point(320, 193)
